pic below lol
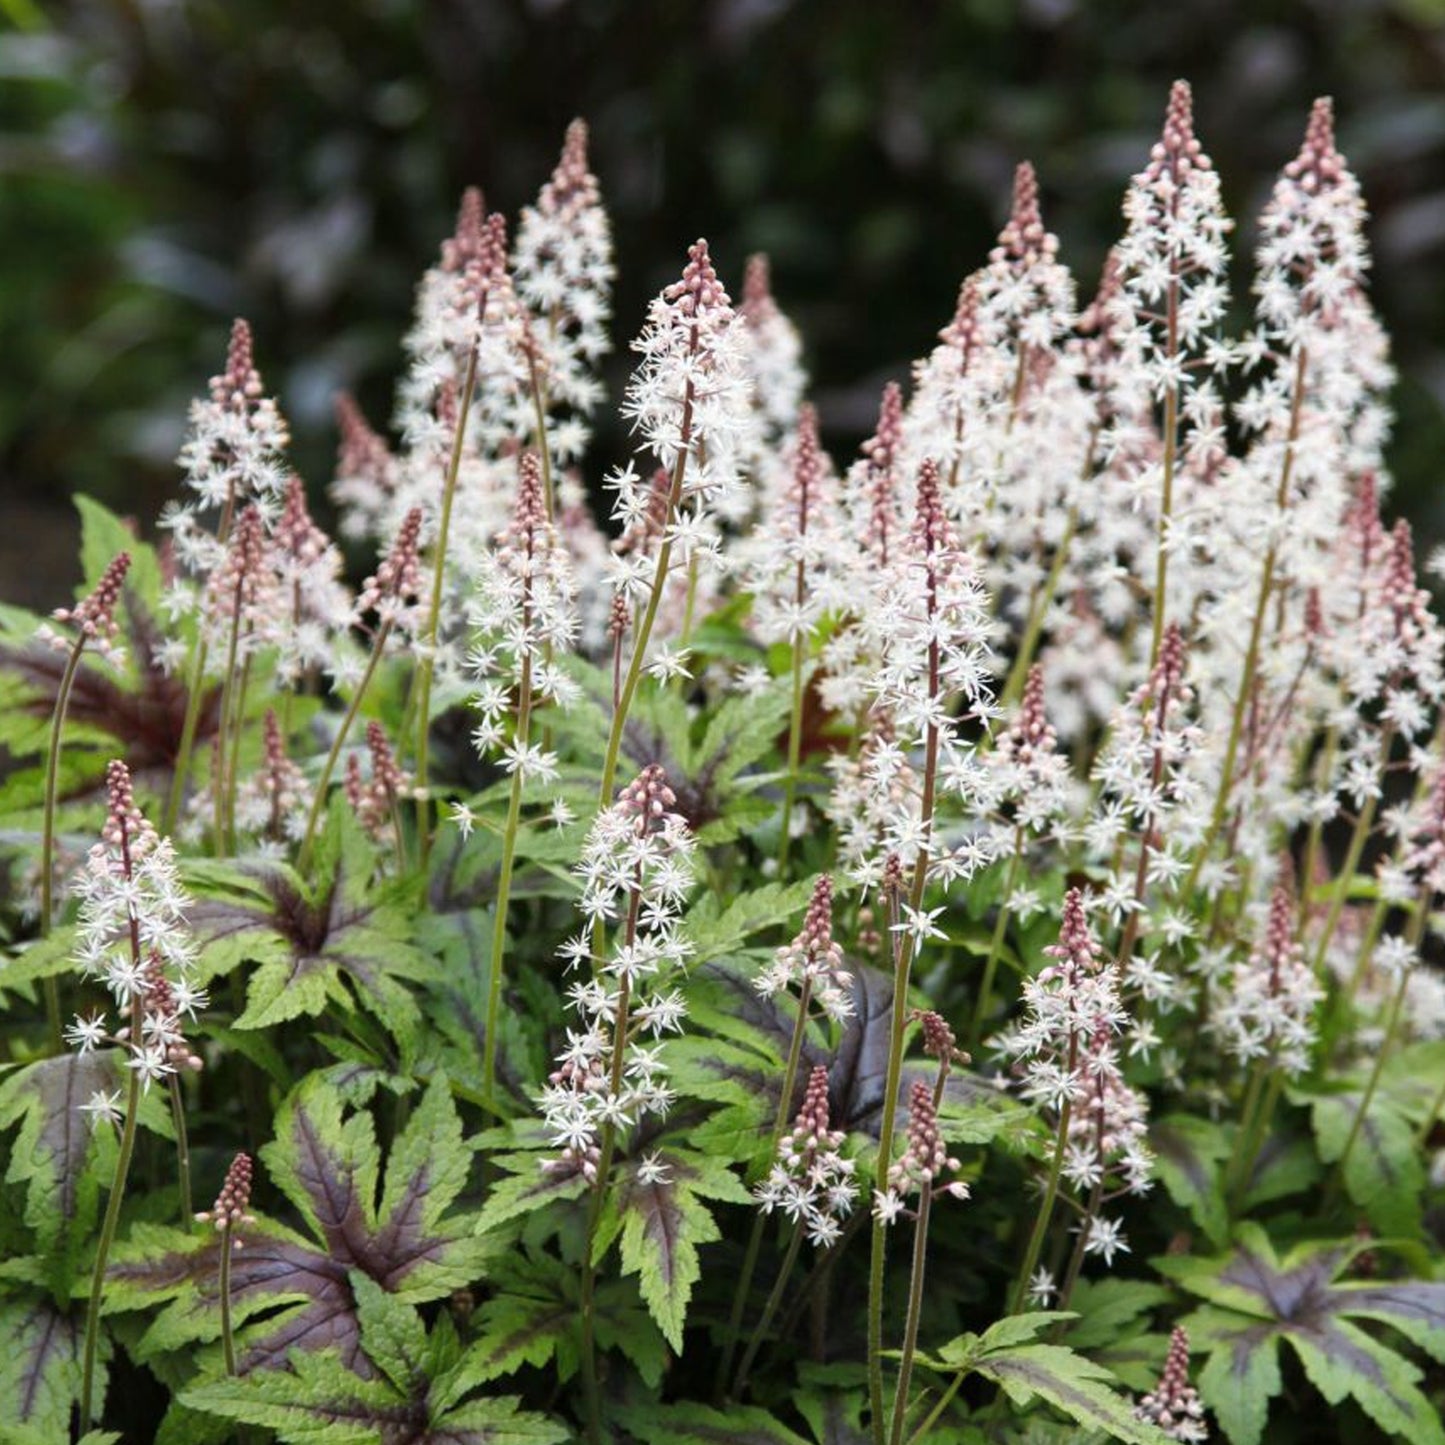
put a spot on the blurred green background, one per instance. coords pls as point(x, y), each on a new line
point(166, 164)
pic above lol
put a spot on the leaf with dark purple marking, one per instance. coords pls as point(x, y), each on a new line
point(50, 1152)
point(1256, 1298)
point(40, 1364)
point(326, 1161)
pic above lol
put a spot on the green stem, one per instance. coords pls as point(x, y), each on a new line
point(1256, 633)
point(775, 1298)
point(1427, 1124)
point(228, 1338)
point(47, 836)
point(1363, 825)
point(755, 1240)
point(107, 1234)
point(649, 617)
point(1255, 1129)
point(1382, 1054)
point(915, 1309)
point(1046, 1207)
point(903, 964)
point(504, 894)
point(990, 968)
point(795, 750)
point(1166, 500)
point(183, 1150)
point(434, 608)
point(1039, 608)
point(303, 856)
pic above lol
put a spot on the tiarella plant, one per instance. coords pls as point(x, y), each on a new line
point(577, 929)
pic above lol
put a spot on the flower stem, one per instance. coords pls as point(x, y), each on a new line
point(795, 751)
point(107, 1233)
point(755, 1240)
point(47, 837)
point(303, 856)
point(504, 893)
point(990, 968)
point(915, 1308)
point(434, 609)
point(228, 1340)
point(649, 617)
point(775, 1298)
point(1046, 1209)
point(183, 1149)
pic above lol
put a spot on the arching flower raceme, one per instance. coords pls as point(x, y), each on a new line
point(924, 1159)
point(814, 958)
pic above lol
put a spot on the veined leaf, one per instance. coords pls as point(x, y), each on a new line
point(662, 1219)
point(328, 1164)
point(40, 1364)
point(50, 1152)
point(1384, 1174)
point(1080, 1388)
point(1257, 1299)
point(1188, 1153)
point(341, 937)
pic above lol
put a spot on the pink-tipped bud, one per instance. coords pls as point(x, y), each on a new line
point(939, 1041)
point(647, 798)
point(1174, 1405)
point(234, 1200)
point(699, 291)
point(94, 616)
point(572, 187)
point(464, 246)
point(240, 383)
point(813, 1115)
point(758, 303)
point(1076, 947)
point(398, 579)
point(1023, 240)
point(1319, 165)
point(964, 333)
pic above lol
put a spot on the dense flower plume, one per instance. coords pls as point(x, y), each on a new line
point(1043, 805)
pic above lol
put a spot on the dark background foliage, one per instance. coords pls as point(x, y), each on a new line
point(167, 164)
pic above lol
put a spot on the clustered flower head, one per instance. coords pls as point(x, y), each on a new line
point(232, 1205)
point(1268, 1009)
point(924, 1159)
point(563, 270)
point(811, 1182)
point(274, 799)
point(636, 870)
point(132, 937)
point(1174, 1404)
point(93, 617)
point(813, 962)
point(525, 617)
point(233, 456)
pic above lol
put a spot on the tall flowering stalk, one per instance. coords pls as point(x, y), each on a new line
point(132, 938)
point(524, 609)
point(563, 270)
point(636, 870)
point(492, 334)
point(791, 581)
point(93, 619)
point(1174, 1404)
point(1066, 1048)
point(1172, 263)
point(233, 457)
point(689, 399)
point(916, 1170)
point(1266, 1021)
point(933, 618)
